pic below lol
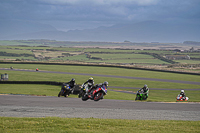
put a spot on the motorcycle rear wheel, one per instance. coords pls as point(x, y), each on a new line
point(98, 96)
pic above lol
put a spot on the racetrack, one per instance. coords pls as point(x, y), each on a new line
point(34, 106)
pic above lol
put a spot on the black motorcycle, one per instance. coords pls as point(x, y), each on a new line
point(82, 93)
point(66, 90)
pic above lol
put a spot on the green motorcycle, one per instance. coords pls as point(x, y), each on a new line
point(141, 95)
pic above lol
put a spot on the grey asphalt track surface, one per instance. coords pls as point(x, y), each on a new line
point(34, 106)
point(39, 106)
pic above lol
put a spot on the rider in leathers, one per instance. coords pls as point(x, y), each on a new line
point(71, 84)
point(145, 90)
point(183, 94)
point(90, 83)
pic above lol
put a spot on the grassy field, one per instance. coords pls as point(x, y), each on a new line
point(105, 71)
point(109, 55)
point(131, 61)
point(123, 56)
point(16, 51)
point(189, 61)
point(90, 125)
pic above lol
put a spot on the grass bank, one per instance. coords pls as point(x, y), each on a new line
point(90, 125)
point(106, 71)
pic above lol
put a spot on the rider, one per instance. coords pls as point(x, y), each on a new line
point(145, 90)
point(71, 83)
point(183, 94)
point(104, 84)
point(90, 83)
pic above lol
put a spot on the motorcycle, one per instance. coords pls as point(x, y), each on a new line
point(82, 94)
point(181, 98)
point(141, 95)
point(65, 90)
point(95, 94)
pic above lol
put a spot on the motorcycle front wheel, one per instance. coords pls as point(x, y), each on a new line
point(59, 94)
point(85, 97)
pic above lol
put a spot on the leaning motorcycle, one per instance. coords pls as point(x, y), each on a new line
point(141, 95)
point(96, 93)
point(181, 98)
point(65, 90)
point(82, 94)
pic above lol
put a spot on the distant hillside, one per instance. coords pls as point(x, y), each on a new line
point(148, 31)
point(10, 29)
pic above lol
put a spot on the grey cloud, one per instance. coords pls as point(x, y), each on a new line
point(100, 2)
point(112, 11)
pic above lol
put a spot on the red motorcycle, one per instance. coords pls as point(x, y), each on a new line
point(95, 94)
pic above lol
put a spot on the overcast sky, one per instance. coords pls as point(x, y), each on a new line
point(82, 14)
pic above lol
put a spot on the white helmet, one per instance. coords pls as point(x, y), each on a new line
point(182, 90)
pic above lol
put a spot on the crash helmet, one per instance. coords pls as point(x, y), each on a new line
point(72, 80)
point(182, 91)
point(91, 78)
point(145, 86)
point(105, 83)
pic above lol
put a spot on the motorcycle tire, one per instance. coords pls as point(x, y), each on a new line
point(85, 98)
point(81, 93)
point(98, 96)
point(59, 94)
point(136, 98)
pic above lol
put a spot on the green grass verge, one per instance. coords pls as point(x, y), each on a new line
point(90, 125)
point(106, 71)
